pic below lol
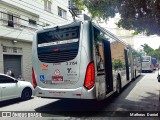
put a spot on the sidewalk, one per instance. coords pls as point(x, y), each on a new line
point(140, 95)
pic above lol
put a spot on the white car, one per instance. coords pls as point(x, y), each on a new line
point(11, 88)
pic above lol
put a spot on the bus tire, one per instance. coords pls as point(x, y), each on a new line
point(118, 85)
point(135, 75)
point(26, 94)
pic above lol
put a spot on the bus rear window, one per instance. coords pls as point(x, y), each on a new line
point(65, 35)
point(58, 45)
point(146, 59)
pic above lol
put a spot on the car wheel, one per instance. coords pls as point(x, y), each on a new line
point(26, 94)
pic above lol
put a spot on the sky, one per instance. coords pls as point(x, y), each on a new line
point(153, 41)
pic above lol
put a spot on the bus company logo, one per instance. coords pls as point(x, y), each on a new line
point(69, 70)
point(57, 72)
point(44, 66)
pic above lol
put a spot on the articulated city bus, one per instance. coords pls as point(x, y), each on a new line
point(80, 60)
point(137, 64)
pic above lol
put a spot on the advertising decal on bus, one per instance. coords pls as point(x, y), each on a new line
point(44, 67)
point(57, 78)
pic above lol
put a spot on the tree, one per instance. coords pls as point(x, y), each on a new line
point(154, 53)
point(148, 49)
point(139, 15)
point(135, 54)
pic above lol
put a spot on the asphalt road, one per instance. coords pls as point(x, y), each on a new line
point(139, 97)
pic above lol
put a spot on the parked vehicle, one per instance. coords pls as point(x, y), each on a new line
point(147, 64)
point(11, 88)
point(154, 62)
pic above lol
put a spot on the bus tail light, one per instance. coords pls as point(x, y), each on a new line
point(34, 79)
point(90, 76)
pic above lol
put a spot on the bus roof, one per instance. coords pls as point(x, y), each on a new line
point(74, 23)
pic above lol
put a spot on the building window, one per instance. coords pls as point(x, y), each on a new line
point(14, 49)
point(13, 19)
point(47, 5)
point(4, 49)
point(7, 49)
point(62, 12)
point(33, 22)
point(46, 24)
point(10, 20)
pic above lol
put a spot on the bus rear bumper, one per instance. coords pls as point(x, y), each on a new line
point(78, 93)
point(147, 69)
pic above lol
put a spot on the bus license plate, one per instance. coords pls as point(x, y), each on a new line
point(57, 79)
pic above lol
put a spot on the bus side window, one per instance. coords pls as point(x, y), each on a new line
point(100, 57)
point(99, 51)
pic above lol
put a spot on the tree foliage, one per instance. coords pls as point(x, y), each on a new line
point(150, 51)
point(118, 64)
point(147, 49)
point(139, 15)
point(135, 54)
point(156, 53)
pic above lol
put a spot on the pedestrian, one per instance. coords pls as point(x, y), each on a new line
point(10, 73)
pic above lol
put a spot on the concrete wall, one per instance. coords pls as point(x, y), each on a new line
point(26, 65)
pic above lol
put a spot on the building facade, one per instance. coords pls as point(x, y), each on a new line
point(19, 19)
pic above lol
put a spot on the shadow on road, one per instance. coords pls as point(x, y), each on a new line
point(11, 102)
point(76, 108)
point(88, 108)
point(154, 71)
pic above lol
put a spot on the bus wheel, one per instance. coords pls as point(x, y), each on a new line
point(118, 85)
point(135, 74)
